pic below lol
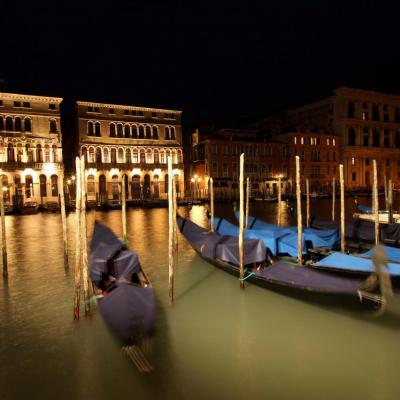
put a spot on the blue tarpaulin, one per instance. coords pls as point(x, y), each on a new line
point(392, 254)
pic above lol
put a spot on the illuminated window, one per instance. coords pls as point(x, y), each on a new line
point(333, 142)
point(295, 140)
point(353, 161)
point(327, 141)
point(302, 140)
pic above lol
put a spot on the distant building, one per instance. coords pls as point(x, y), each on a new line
point(367, 124)
point(131, 143)
point(216, 154)
point(30, 148)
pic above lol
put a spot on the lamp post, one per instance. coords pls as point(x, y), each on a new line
point(192, 187)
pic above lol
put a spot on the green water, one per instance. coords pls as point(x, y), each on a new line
point(216, 342)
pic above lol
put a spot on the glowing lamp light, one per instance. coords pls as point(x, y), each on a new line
point(73, 177)
point(5, 188)
point(69, 181)
point(49, 169)
point(192, 180)
point(176, 172)
point(157, 171)
point(114, 171)
point(136, 171)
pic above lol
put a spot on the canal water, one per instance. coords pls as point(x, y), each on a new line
point(215, 342)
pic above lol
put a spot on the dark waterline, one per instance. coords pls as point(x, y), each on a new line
point(215, 342)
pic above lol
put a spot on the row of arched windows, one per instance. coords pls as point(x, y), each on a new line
point(44, 190)
point(135, 156)
point(33, 154)
point(15, 124)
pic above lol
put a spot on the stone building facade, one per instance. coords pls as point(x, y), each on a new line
point(131, 143)
point(367, 124)
point(30, 148)
point(216, 155)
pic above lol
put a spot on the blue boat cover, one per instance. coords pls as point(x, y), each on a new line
point(309, 279)
point(211, 245)
point(276, 240)
point(318, 238)
point(340, 261)
point(392, 253)
point(364, 209)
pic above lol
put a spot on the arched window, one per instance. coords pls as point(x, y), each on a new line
point(54, 185)
point(162, 157)
point(147, 187)
point(142, 156)
point(141, 132)
point(91, 154)
point(120, 155)
point(29, 153)
point(90, 185)
point(98, 155)
point(4, 184)
point(10, 153)
point(1, 123)
point(112, 130)
point(350, 110)
point(376, 138)
point(9, 124)
point(149, 156)
point(135, 156)
point(53, 126)
point(174, 159)
point(114, 187)
point(102, 188)
point(167, 154)
point(46, 153)
point(55, 153)
point(113, 155)
point(28, 186)
point(27, 125)
point(173, 133)
point(156, 157)
point(167, 133)
point(39, 154)
point(105, 154)
point(352, 137)
point(155, 132)
point(166, 183)
point(84, 153)
point(43, 185)
point(127, 156)
point(134, 130)
point(19, 152)
point(18, 124)
point(156, 188)
point(97, 130)
point(148, 132)
point(136, 190)
point(90, 128)
point(127, 131)
point(119, 131)
point(180, 159)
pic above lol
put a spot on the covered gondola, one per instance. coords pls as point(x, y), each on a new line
point(284, 277)
point(127, 302)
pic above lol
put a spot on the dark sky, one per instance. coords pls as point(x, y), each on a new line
point(221, 60)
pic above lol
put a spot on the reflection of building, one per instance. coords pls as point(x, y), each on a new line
point(367, 124)
point(216, 155)
point(30, 147)
point(131, 142)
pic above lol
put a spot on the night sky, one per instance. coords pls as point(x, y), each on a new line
point(217, 61)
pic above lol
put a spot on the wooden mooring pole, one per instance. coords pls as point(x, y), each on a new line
point(279, 200)
point(342, 223)
point(123, 197)
point(333, 198)
point(386, 193)
point(307, 203)
point(247, 201)
point(375, 201)
point(299, 215)
point(212, 204)
point(63, 218)
point(390, 196)
point(78, 198)
point(3, 233)
point(172, 241)
point(241, 220)
point(84, 246)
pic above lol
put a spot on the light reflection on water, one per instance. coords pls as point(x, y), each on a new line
point(215, 342)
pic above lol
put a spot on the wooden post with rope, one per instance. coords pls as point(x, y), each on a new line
point(3, 233)
point(123, 198)
point(241, 220)
point(247, 201)
point(63, 217)
point(333, 197)
point(375, 201)
point(299, 215)
point(390, 200)
point(171, 232)
point(307, 203)
point(212, 204)
point(342, 223)
point(279, 200)
point(78, 199)
point(84, 245)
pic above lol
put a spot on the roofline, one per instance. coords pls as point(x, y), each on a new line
point(47, 99)
point(120, 106)
point(351, 90)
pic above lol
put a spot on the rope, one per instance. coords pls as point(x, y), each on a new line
point(248, 276)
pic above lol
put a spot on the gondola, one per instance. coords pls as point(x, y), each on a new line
point(126, 301)
point(286, 278)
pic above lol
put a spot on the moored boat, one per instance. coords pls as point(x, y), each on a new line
point(30, 207)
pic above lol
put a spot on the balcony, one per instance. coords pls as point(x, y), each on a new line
point(130, 165)
point(19, 165)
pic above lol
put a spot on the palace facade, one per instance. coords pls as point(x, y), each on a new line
point(130, 143)
point(30, 148)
